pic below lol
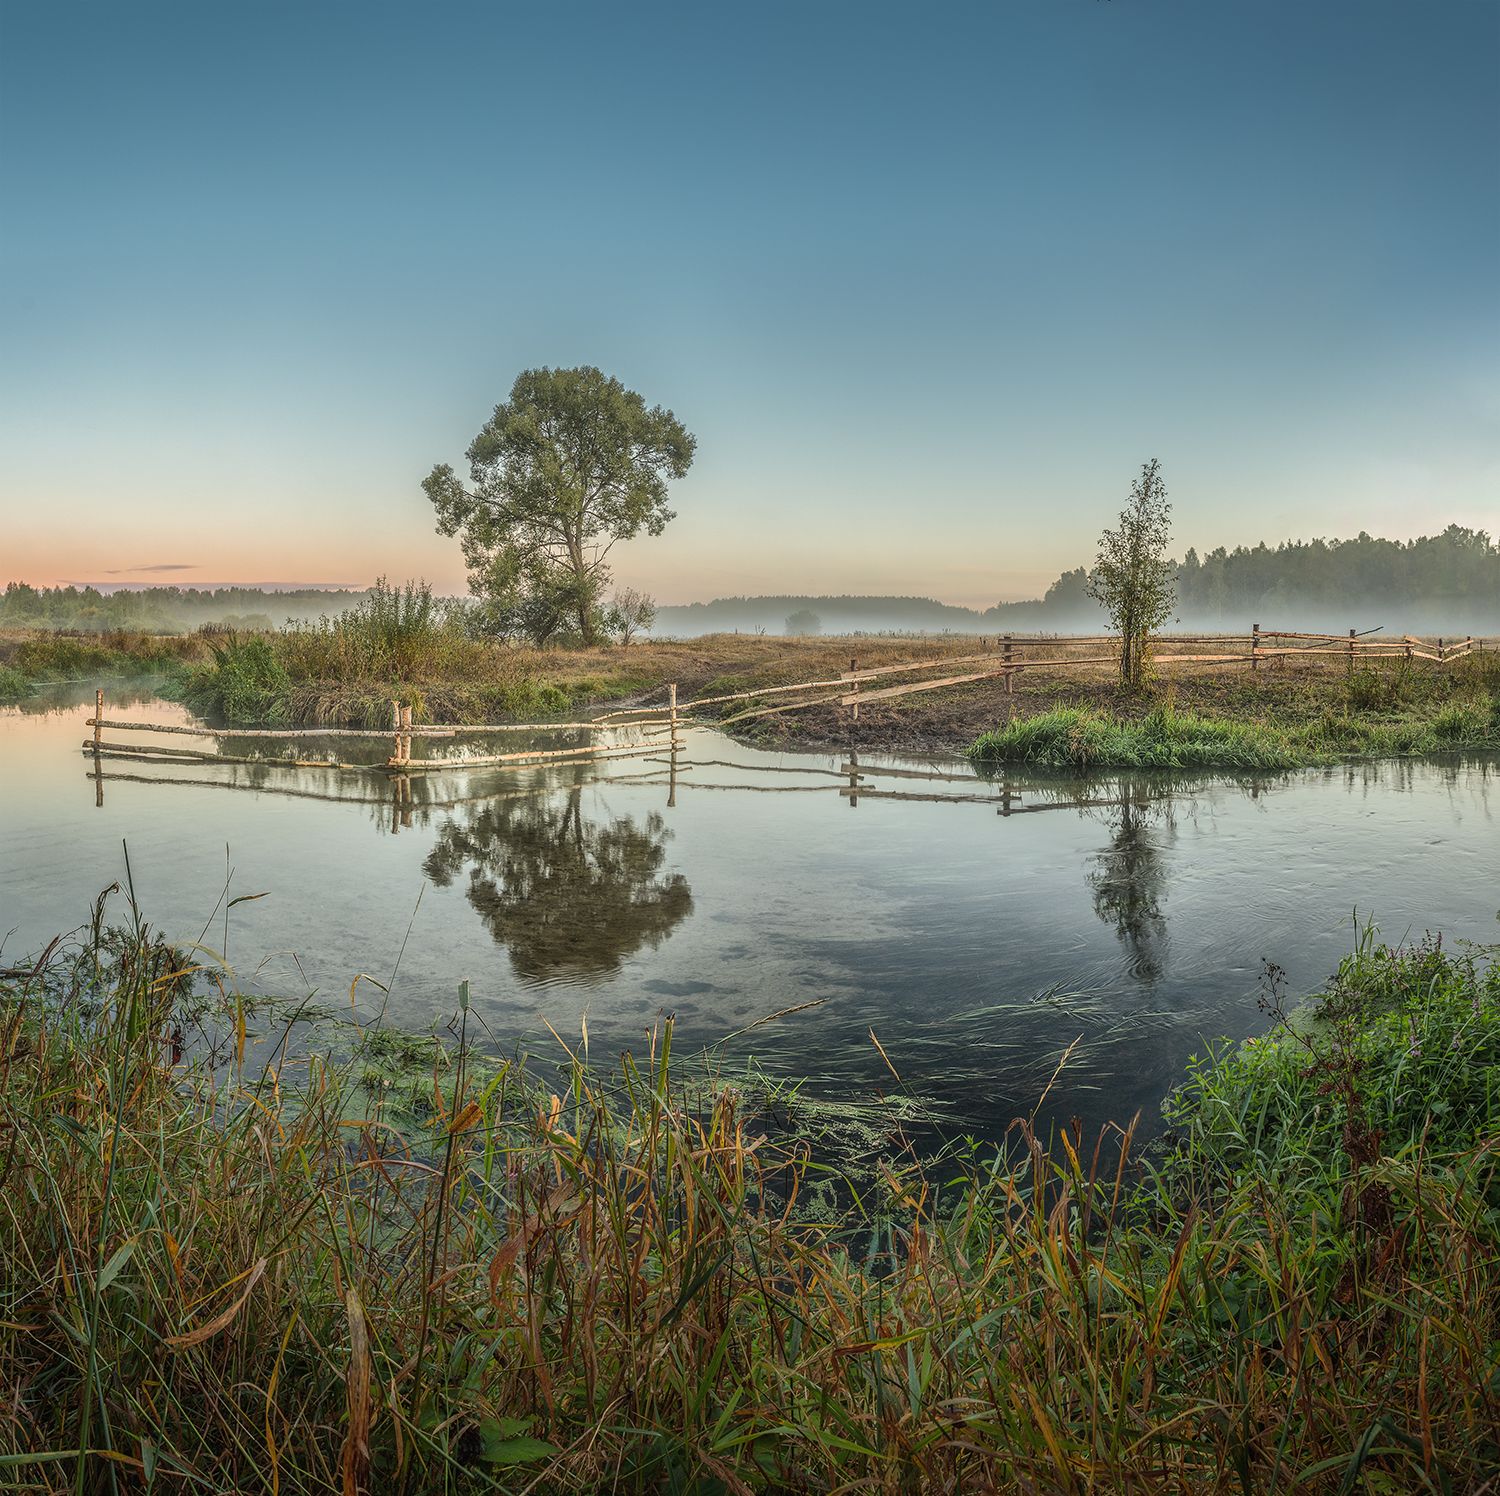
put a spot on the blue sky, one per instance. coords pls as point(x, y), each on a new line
point(928, 283)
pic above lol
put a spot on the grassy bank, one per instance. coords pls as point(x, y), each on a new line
point(32, 659)
point(347, 670)
point(1374, 715)
point(219, 1276)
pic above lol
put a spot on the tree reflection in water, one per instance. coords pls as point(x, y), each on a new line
point(568, 897)
point(1130, 876)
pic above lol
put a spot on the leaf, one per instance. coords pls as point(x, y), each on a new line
point(111, 1269)
point(503, 1447)
point(220, 1321)
point(466, 1118)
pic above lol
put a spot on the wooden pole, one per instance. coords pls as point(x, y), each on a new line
point(1010, 679)
point(1254, 646)
point(396, 724)
point(854, 671)
point(98, 729)
point(1351, 652)
point(853, 791)
point(675, 742)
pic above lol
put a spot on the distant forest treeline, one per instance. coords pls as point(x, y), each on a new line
point(1447, 583)
point(165, 610)
point(1434, 584)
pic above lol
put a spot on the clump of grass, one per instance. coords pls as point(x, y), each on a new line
point(246, 682)
point(210, 1272)
point(13, 685)
point(1079, 739)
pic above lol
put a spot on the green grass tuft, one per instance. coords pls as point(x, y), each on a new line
point(1074, 738)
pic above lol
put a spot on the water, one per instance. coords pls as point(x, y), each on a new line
point(976, 945)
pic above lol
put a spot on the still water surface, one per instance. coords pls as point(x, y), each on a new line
point(1132, 914)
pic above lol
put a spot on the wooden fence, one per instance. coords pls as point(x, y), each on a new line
point(651, 734)
point(1011, 654)
point(650, 728)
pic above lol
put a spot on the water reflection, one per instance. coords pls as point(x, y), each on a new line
point(569, 897)
point(1129, 878)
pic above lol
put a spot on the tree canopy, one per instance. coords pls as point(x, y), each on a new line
point(572, 463)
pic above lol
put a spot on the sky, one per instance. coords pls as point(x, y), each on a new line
point(928, 283)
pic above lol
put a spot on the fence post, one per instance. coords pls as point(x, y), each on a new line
point(1351, 652)
point(396, 728)
point(1010, 675)
point(854, 708)
point(1441, 656)
point(1255, 646)
point(405, 734)
point(675, 744)
point(853, 780)
point(98, 733)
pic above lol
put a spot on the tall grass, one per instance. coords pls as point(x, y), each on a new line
point(33, 659)
point(219, 1275)
point(393, 634)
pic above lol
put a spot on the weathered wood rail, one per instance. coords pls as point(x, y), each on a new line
point(656, 725)
point(1005, 660)
point(649, 736)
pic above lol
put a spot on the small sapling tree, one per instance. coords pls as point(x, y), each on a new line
point(630, 613)
point(1132, 579)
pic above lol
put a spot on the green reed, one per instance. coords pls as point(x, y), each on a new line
point(223, 1272)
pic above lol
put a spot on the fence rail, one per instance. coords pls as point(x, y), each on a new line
point(657, 725)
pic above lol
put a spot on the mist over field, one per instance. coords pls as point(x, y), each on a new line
point(1441, 584)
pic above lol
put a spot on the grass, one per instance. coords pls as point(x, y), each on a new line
point(1075, 738)
point(219, 1274)
point(31, 659)
point(1371, 714)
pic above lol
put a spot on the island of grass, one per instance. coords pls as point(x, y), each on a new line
point(1372, 714)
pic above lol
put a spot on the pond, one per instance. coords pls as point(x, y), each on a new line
point(977, 928)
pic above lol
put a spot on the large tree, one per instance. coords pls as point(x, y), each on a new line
point(570, 464)
point(1132, 578)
